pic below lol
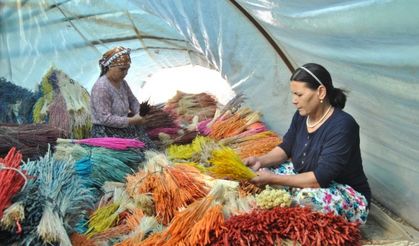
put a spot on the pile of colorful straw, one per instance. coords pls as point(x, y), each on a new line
point(108, 191)
point(32, 140)
point(202, 220)
point(198, 152)
point(211, 158)
point(95, 157)
point(64, 104)
point(172, 187)
point(52, 203)
point(186, 106)
point(242, 130)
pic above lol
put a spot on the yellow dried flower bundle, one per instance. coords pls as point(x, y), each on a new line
point(227, 164)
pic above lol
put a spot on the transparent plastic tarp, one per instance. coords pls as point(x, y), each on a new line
point(370, 47)
point(72, 36)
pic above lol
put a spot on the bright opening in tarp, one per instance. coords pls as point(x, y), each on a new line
point(162, 85)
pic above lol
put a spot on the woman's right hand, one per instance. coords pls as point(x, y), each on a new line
point(253, 162)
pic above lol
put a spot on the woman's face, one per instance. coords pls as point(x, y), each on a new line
point(118, 73)
point(306, 100)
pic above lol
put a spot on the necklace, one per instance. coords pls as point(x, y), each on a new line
point(321, 119)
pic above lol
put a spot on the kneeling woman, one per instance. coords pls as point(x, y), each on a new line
point(112, 100)
point(322, 142)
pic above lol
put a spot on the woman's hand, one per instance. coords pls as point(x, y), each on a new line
point(135, 120)
point(253, 162)
point(263, 177)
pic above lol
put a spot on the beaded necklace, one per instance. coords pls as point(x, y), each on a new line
point(321, 119)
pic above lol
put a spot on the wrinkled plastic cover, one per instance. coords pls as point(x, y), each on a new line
point(370, 47)
point(73, 35)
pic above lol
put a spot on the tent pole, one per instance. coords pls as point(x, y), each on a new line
point(266, 35)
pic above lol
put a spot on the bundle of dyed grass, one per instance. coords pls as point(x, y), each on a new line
point(22, 218)
point(11, 178)
point(160, 126)
point(119, 215)
point(185, 137)
point(192, 226)
point(246, 188)
point(226, 164)
point(101, 164)
point(231, 107)
point(54, 201)
point(31, 140)
point(199, 151)
point(145, 108)
point(185, 106)
point(252, 142)
point(231, 124)
point(212, 158)
point(131, 157)
point(106, 142)
point(64, 104)
point(299, 224)
point(158, 118)
point(172, 187)
point(104, 223)
point(242, 131)
point(140, 227)
point(16, 103)
point(201, 220)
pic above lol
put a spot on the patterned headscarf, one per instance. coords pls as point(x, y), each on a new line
point(118, 56)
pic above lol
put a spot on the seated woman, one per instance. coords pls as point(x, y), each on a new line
point(112, 101)
point(322, 142)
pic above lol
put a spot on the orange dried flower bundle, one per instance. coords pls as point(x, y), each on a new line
point(193, 226)
point(256, 147)
point(209, 225)
point(230, 125)
point(172, 188)
point(252, 142)
point(227, 128)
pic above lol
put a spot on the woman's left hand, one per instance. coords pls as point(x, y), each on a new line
point(135, 120)
point(263, 177)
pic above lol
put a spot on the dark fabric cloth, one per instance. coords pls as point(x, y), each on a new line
point(332, 152)
point(136, 132)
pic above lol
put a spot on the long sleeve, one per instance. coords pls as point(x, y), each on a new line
point(336, 152)
point(289, 137)
point(134, 105)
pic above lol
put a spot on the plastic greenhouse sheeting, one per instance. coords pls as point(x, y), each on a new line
point(370, 47)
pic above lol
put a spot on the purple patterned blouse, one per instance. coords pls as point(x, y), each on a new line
point(110, 106)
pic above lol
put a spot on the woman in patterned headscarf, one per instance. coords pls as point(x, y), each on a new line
point(115, 110)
